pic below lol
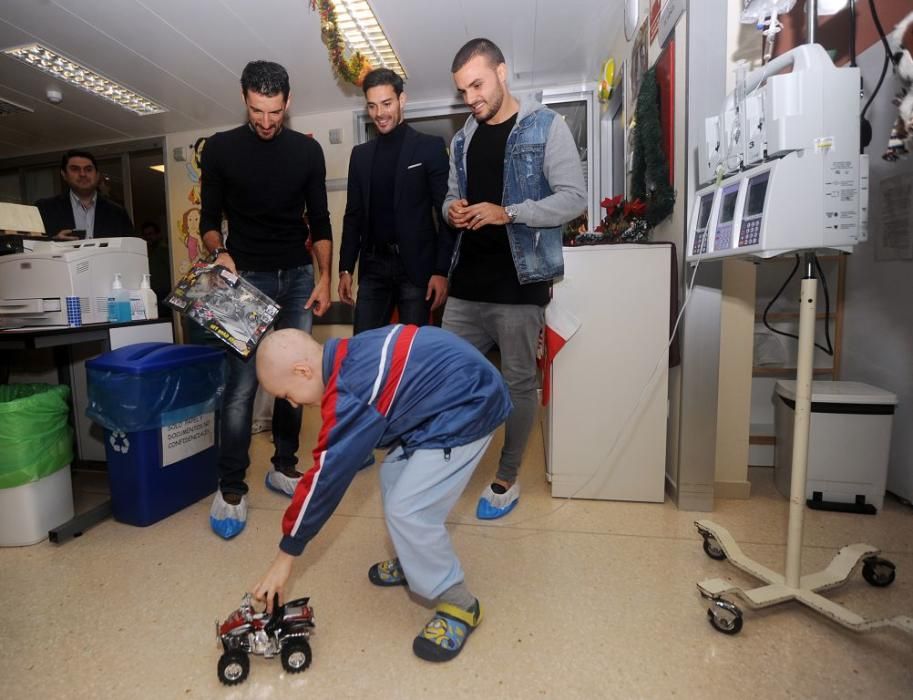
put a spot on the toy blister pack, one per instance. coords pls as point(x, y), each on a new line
point(233, 310)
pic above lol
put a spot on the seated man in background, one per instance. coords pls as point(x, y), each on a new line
point(433, 401)
point(80, 208)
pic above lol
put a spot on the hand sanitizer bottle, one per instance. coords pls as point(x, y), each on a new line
point(150, 302)
point(118, 302)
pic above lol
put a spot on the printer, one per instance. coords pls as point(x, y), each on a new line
point(35, 283)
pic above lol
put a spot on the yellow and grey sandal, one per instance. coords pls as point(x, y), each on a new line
point(387, 573)
point(445, 634)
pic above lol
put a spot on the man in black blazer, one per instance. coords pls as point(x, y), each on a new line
point(80, 207)
point(397, 183)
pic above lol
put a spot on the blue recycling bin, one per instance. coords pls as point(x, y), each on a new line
point(158, 404)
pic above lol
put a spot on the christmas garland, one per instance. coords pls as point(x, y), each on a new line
point(352, 69)
point(649, 172)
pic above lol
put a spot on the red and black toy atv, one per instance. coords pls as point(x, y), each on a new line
point(285, 633)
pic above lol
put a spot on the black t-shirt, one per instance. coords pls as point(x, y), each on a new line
point(486, 270)
point(264, 189)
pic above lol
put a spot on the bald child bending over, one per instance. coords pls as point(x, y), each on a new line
point(430, 399)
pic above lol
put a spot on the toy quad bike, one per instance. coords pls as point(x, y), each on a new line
point(285, 632)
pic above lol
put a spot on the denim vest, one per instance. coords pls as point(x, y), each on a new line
point(536, 251)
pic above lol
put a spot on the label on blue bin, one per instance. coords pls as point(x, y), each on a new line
point(187, 438)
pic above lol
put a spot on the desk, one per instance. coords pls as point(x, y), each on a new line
point(71, 348)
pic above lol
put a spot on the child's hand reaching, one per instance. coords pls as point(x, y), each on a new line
point(274, 581)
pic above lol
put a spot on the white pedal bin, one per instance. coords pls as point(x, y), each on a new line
point(849, 441)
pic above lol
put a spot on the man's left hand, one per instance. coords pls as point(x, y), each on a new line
point(437, 290)
point(485, 214)
point(319, 300)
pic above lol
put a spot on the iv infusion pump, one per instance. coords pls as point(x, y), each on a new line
point(781, 163)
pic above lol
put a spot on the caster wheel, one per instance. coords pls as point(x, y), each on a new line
point(725, 617)
point(713, 549)
point(878, 572)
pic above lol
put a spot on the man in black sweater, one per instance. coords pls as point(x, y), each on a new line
point(264, 178)
point(396, 183)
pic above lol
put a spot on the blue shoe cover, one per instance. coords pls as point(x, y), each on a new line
point(227, 520)
point(496, 505)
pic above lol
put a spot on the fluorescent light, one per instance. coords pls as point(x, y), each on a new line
point(78, 75)
point(159, 168)
point(363, 33)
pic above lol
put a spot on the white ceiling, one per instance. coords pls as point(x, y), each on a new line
point(188, 55)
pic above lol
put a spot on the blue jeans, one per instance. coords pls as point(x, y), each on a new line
point(383, 286)
point(291, 290)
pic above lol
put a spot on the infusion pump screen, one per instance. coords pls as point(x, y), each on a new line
point(756, 192)
point(704, 216)
point(750, 232)
point(699, 246)
point(728, 209)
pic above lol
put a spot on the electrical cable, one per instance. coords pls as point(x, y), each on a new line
point(829, 350)
point(884, 71)
point(884, 38)
point(887, 56)
point(852, 33)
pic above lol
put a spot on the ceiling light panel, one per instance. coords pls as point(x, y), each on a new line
point(75, 74)
point(363, 33)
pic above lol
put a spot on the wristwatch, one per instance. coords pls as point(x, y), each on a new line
point(511, 211)
point(217, 252)
point(344, 272)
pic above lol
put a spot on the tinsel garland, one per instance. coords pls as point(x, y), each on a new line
point(649, 172)
point(352, 69)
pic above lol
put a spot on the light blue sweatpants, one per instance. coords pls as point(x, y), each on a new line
point(418, 494)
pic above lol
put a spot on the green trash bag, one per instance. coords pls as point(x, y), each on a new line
point(35, 436)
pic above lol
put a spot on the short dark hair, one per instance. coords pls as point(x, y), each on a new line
point(477, 47)
point(383, 76)
point(266, 78)
point(76, 154)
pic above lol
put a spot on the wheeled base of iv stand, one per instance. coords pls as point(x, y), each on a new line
point(724, 615)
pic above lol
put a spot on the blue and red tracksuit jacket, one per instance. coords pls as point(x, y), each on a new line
point(421, 388)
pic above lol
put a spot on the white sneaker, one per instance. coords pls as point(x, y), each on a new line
point(225, 519)
point(280, 483)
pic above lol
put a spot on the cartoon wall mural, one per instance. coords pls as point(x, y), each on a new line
point(194, 169)
point(187, 224)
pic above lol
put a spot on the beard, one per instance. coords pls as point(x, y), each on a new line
point(493, 107)
point(265, 136)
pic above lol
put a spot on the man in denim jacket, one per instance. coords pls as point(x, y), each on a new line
point(515, 179)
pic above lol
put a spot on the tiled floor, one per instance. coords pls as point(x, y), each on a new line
point(583, 599)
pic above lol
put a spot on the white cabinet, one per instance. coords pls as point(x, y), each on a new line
point(605, 426)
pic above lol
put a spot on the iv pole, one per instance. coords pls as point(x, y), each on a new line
point(724, 615)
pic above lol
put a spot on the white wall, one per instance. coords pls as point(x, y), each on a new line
point(878, 328)
point(700, 60)
point(693, 386)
